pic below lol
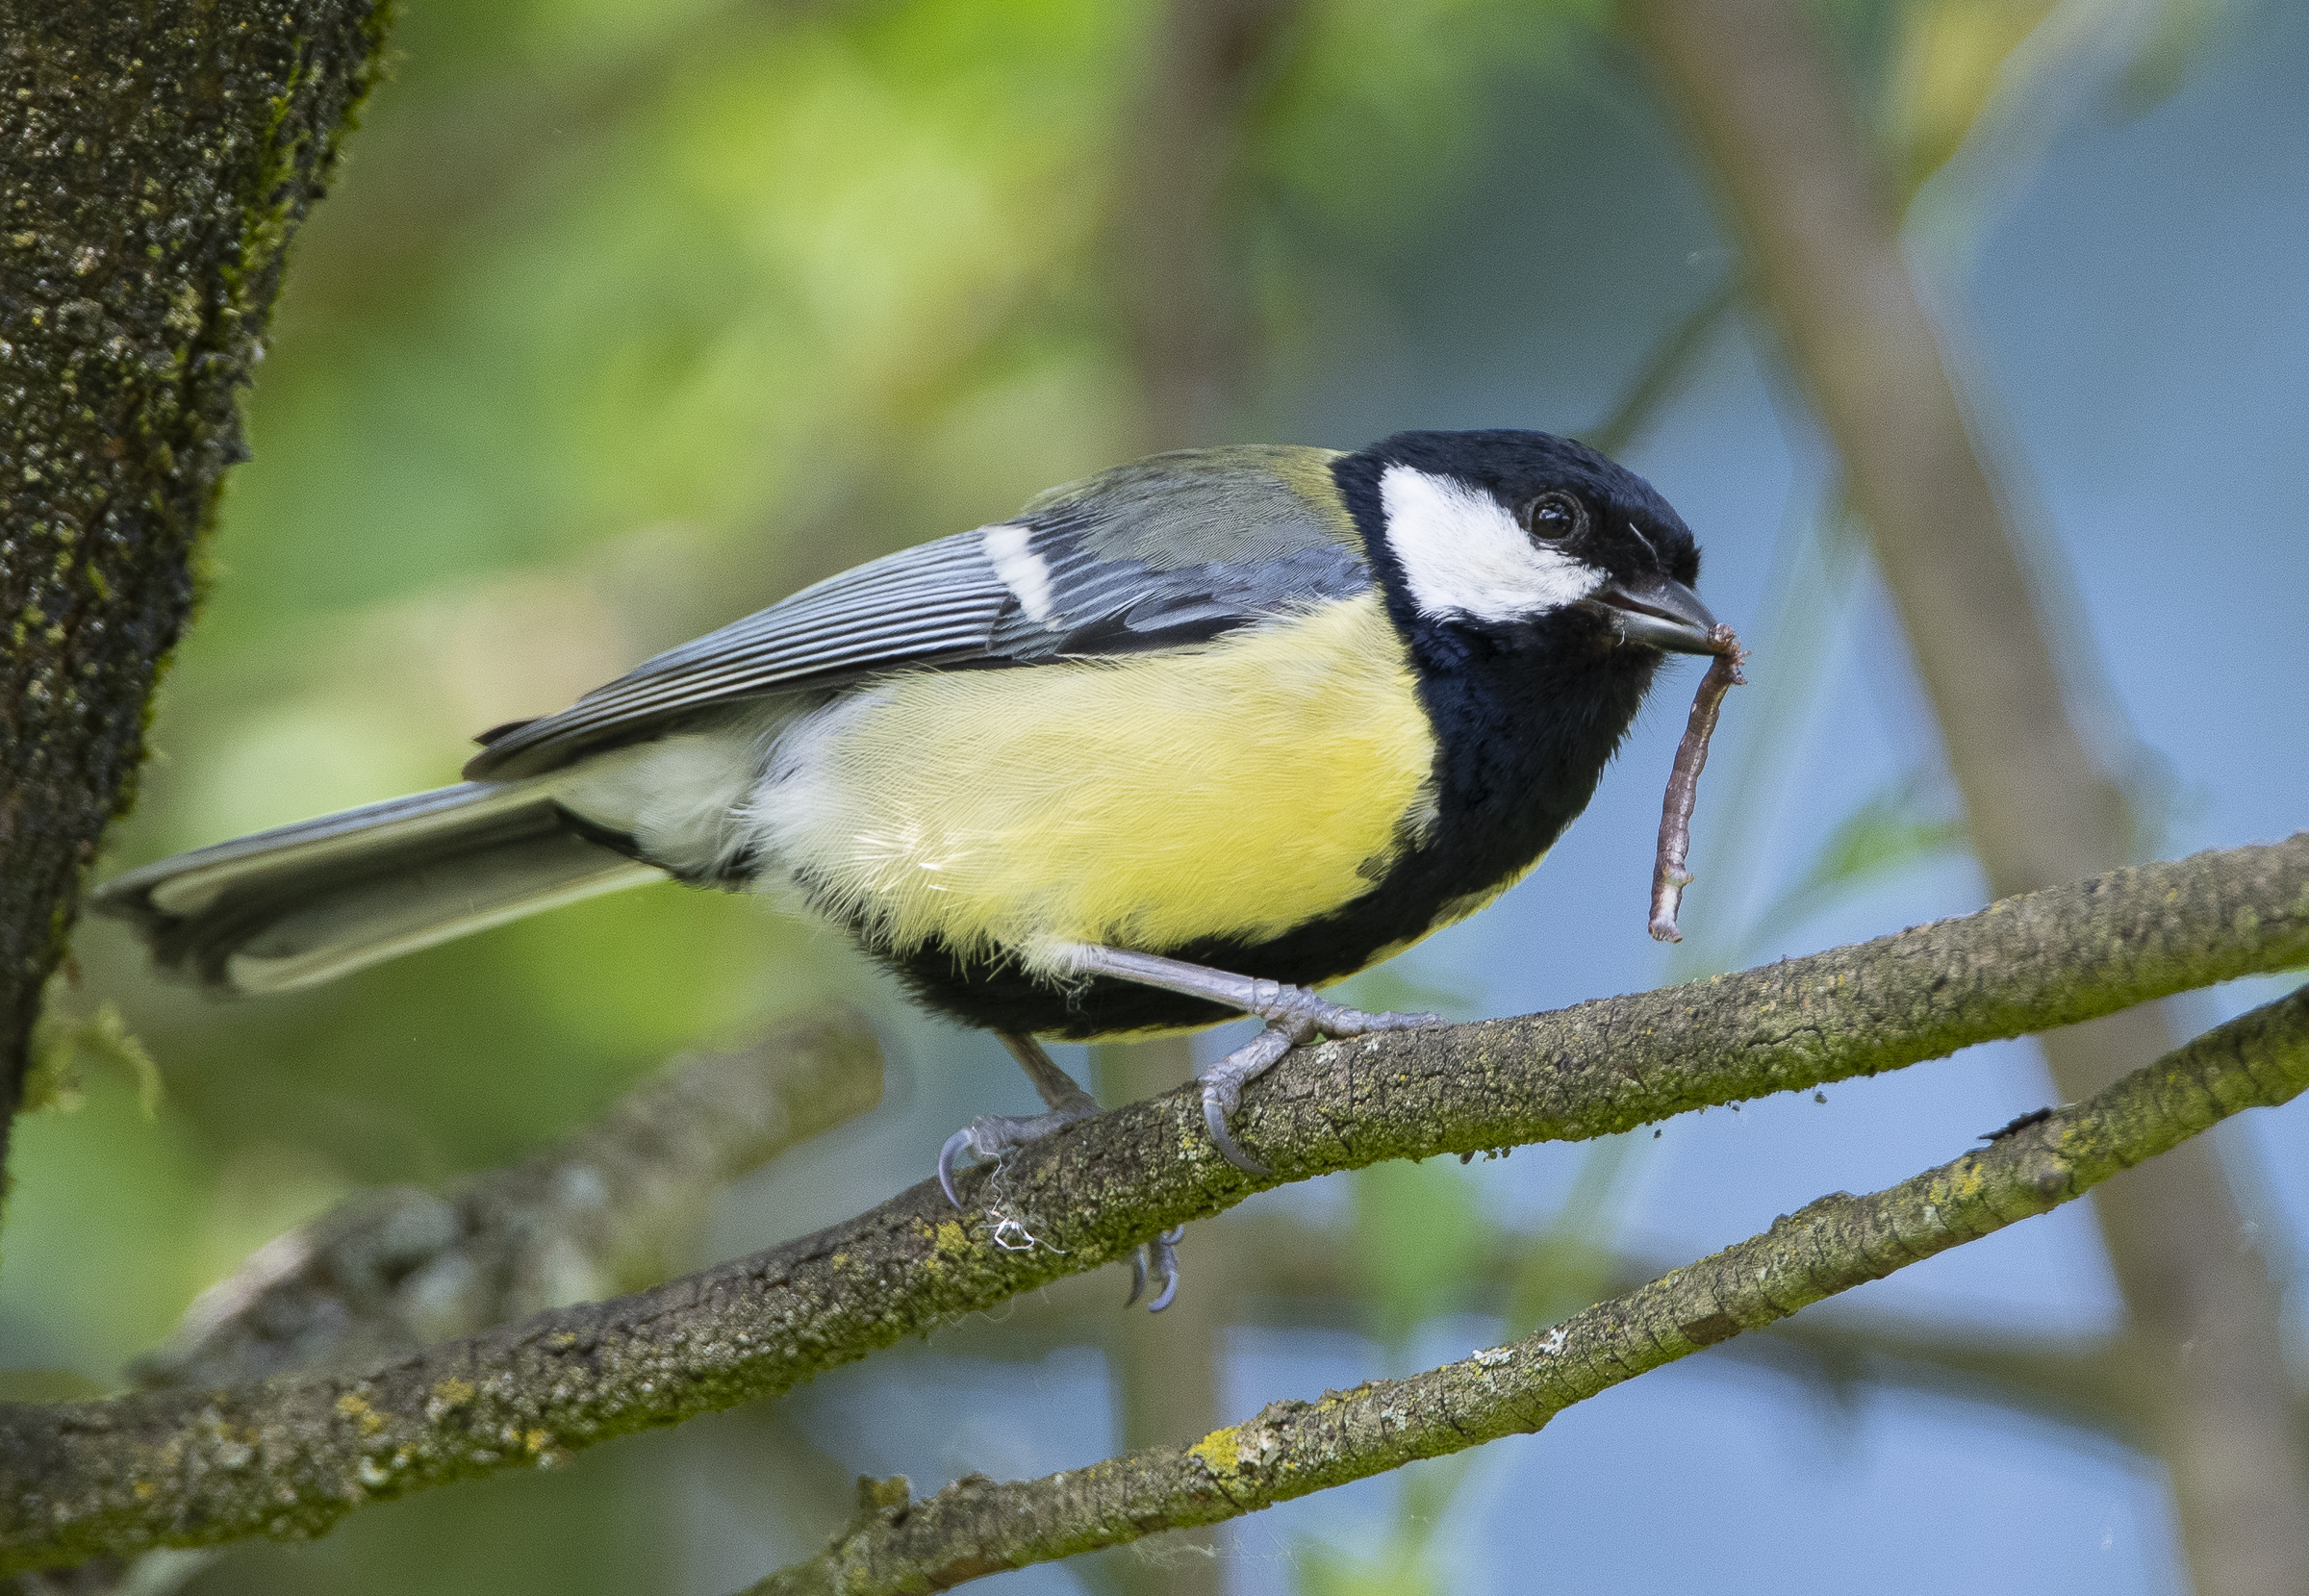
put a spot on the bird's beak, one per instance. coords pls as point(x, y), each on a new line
point(1659, 612)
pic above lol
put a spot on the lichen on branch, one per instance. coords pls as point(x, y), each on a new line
point(291, 1456)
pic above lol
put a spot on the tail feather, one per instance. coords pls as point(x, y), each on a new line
point(305, 904)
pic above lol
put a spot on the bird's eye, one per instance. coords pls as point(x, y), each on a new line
point(1556, 517)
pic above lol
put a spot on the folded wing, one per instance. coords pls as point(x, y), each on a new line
point(1167, 552)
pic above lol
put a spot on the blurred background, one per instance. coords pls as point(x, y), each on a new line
point(627, 317)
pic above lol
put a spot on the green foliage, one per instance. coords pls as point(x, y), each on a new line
point(49, 1385)
point(1360, 147)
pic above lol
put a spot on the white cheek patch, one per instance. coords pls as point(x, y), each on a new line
point(1462, 553)
point(1020, 568)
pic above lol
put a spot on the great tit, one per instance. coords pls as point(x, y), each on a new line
point(1181, 740)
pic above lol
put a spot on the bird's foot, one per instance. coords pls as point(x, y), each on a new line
point(991, 1135)
point(1294, 1014)
point(1158, 1258)
point(1283, 1004)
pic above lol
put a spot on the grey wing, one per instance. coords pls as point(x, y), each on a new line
point(1172, 551)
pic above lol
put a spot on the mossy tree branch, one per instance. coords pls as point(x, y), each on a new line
point(616, 1206)
point(291, 1456)
point(1295, 1274)
point(975, 1526)
point(154, 160)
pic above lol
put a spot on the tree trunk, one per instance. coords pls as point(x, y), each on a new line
point(153, 160)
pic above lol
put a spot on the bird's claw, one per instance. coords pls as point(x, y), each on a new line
point(1220, 1100)
point(1294, 1015)
point(955, 1146)
point(991, 1135)
point(1163, 1254)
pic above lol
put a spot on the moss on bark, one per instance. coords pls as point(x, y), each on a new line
point(154, 160)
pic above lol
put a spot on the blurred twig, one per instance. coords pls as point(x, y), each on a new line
point(611, 1208)
point(1188, 334)
point(1183, 316)
point(1823, 232)
point(1664, 369)
point(1168, 1369)
point(288, 1456)
point(1289, 1449)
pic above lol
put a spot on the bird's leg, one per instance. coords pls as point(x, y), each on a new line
point(990, 1134)
point(1294, 1014)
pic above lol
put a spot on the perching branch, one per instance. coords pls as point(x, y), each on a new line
point(154, 160)
point(288, 1456)
point(975, 1526)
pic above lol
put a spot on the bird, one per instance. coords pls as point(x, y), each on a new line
point(1183, 741)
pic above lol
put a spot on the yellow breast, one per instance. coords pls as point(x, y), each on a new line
point(1236, 789)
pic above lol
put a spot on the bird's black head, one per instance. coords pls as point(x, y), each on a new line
point(1507, 533)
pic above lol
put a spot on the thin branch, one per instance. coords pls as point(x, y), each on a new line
point(2087, 1383)
point(975, 1526)
point(1664, 369)
point(288, 1456)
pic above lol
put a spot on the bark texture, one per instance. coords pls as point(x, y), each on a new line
point(288, 1456)
point(154, 160)
point(975, 1526)
point(1822, 230)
